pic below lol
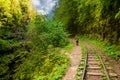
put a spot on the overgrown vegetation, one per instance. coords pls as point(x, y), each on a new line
point(96, 19)
point(29, 45)
point(112, 50)
point(69, 47)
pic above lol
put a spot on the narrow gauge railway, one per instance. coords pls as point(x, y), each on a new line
point(93, 67)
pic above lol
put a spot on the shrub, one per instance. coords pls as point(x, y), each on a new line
point(50, 33)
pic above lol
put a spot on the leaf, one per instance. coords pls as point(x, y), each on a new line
point(117, 16)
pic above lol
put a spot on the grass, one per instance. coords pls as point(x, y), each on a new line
point(69, 47)
point(111, 49)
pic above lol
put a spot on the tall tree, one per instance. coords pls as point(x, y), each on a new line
point(96, 18)
point(66, 12)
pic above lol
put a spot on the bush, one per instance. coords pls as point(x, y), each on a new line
point(4, 45)
point(51, 33)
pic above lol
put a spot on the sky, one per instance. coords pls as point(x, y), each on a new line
point(44, 6)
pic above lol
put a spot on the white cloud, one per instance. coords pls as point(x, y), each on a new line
point(42, 12)
point(36, 2)
point(44, 6)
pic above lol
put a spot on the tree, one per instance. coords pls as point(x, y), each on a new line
point(66, 12)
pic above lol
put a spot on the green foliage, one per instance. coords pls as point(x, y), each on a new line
point(54, 67)
point(66, 12)
point(32, 52)
point(37, 57)
point(117, 14)
point(112, 50)
point(39, 66)
point(13, 28)
point(69, 46)
point(50, 33)
point(96, 18)
point(4, 45)
point(14, 17)
point(44, 61)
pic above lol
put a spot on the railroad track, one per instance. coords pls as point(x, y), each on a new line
point(93, 67)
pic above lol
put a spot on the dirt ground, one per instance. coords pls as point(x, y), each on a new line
point(75, 57)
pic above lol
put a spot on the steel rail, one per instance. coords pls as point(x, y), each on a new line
point(86, 62)
point(85, 67)
point(105, 70)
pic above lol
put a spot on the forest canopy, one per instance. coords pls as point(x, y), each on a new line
point(98, 19)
